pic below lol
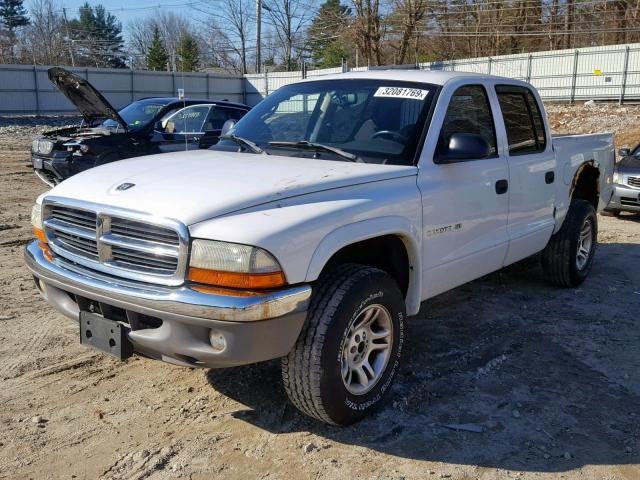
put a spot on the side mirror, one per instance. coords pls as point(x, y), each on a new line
point(464, 146)
point(227, 127)
point(158, 127)
point(624, 152)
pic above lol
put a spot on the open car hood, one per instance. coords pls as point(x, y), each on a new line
point(89, 102)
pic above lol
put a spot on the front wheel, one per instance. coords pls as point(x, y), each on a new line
point(349, 350)
point(567, 258)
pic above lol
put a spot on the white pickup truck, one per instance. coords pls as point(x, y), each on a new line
point(329, 213)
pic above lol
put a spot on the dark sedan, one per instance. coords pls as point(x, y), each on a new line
point(146, 126)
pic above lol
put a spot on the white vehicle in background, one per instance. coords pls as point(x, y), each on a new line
point(325, 217)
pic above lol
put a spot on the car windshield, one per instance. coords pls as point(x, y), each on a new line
point(377, 121)
point(138, 114)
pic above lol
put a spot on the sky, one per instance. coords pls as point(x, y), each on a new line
point(127, 11)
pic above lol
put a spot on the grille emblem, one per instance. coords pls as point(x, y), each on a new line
point(125, 186)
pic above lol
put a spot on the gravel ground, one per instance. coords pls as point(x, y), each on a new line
point(504, 378)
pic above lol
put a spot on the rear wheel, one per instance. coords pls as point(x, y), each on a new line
point(568, 256)
point(349, 351)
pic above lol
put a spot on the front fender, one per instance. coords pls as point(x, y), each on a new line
point(365, 230)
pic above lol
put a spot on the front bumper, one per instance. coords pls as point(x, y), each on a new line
point(255, 328)
point(625, 198)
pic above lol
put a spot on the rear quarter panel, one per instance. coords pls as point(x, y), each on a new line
point(573, 153)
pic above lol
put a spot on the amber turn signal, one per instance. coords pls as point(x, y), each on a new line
point(247, 281)
point(40, 235)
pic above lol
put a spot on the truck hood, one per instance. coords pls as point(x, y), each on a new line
point(202, 184)
point(89, 101)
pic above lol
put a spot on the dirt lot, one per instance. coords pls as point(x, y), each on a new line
point(549, 377)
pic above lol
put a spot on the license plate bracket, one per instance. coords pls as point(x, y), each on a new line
point(105, 335)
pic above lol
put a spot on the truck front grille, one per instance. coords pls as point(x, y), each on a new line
point(634, 181)
point(117, 242)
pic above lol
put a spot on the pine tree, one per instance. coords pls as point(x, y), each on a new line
point(188, 54)
point(157, 57)
point(326, 49)
point(97, 36)
point(13, 14)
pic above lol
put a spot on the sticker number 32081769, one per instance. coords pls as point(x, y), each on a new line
point(401, 92)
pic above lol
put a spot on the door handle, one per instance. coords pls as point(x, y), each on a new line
point(549, 177)
point(502, 186)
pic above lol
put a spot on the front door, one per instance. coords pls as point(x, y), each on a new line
point(465, 203)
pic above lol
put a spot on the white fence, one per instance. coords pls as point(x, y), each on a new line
point(26, 89)
point(598, 73)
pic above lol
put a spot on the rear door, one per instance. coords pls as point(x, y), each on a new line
point(532, 171)
point(183, 130)
point(465, 203)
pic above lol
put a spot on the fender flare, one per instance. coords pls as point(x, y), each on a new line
point(364, 230)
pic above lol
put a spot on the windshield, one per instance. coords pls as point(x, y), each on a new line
point(138, 114)
point(378, 121)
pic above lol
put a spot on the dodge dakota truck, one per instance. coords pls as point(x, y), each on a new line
point(323, 218)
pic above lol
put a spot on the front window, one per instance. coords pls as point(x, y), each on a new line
point(137, 114)
point(377, 121)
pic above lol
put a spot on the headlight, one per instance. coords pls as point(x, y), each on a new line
point(43, 147)
point(36, 222)
point(36, 216)
point(233, 265)
point(616, 177)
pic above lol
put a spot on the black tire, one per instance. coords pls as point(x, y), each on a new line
point(559, 258)
point(312, 372)
point(610, 213)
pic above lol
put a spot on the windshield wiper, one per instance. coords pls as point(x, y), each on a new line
point(304, 144)
point(244, 142)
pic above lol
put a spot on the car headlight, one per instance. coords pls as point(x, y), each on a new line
point(43, 147)
point(616, 177)
point(36, 222)
point(233, 265)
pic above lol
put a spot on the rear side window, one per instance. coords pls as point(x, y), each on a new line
point(468, 112)
point(522, 120)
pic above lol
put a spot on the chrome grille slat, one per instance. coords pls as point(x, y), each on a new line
point(634, 181)
point(149, 260)
point(128, 228)
point(105, 239)
point(78, 243)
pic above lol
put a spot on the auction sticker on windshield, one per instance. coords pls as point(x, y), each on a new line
point(401, 92)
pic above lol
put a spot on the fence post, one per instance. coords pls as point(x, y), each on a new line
point(489, 66)
point(529, 61)
point(575, 76)
point(36, 88)
point(173, 84)
point(623, 85)
point(206, 79)
point(266, 82)
point(131, 85)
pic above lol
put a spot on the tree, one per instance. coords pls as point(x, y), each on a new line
point(171, 27)
point(289, 18)
point(13, 14)
point(326, 44)
point(97, 38)
point(188, 54)
point(43, 41)
point(157, 57)
point(369, 30)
